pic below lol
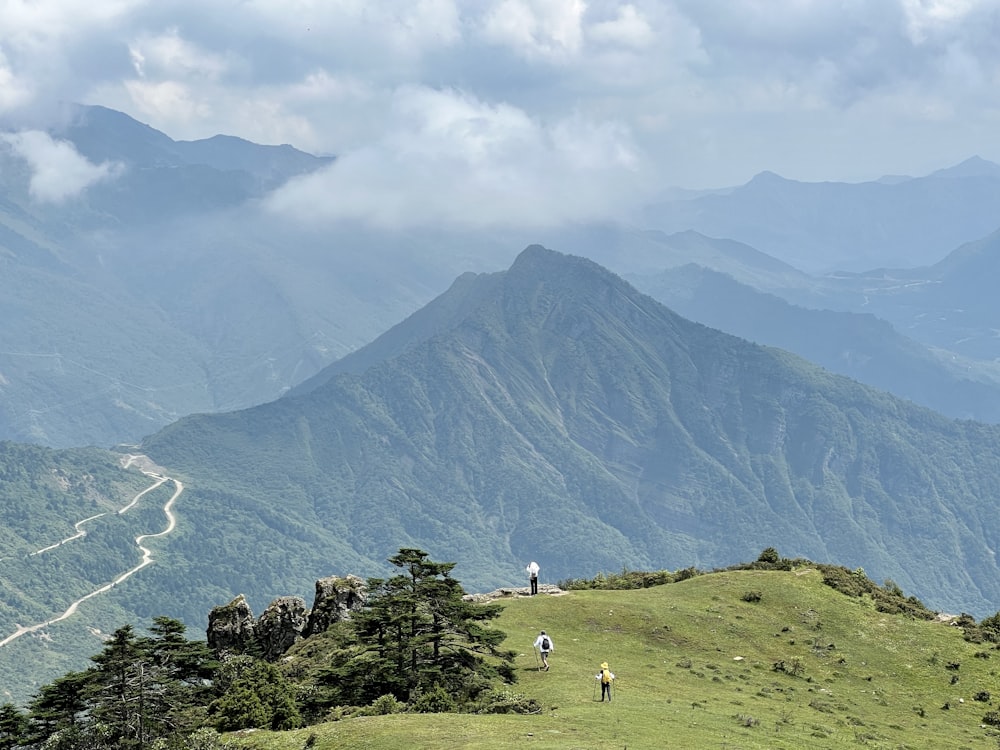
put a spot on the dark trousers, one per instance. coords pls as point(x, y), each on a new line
point(534, 585)
point(606, 689)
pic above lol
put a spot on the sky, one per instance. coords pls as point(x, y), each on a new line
point(480, 112)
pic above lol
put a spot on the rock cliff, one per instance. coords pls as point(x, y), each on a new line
point(232, 628)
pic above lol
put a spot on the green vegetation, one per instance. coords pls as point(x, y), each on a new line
point(561, 417)
point(416, 638)
point(817, 656)
point(805, 666)
point(563, 397)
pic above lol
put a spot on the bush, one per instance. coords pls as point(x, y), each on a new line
point(794, 667)
point(387, 704)
point(508, 702)
point(434, 701)
point(769, 555)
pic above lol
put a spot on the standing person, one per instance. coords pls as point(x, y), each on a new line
point(606, 676)
point(544, 645)
point(533, 576)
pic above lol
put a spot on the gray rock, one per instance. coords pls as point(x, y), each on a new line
point(231, 627)
point(336, 598)
point(281, 625)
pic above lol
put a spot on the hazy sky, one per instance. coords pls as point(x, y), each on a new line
point(470, 111)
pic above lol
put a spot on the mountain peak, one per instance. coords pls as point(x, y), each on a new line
point(974, 166)
point(767, 177)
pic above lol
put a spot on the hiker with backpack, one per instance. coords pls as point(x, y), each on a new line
point(533, 576)
point(544, 645)
point(606, 676)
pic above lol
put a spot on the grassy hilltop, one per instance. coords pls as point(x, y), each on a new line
point(735, 659)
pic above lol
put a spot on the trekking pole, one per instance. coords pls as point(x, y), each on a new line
point(595, 692)
point(535, 652)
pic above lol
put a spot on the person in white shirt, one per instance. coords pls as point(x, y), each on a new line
point(533, 576)
point(544, 645)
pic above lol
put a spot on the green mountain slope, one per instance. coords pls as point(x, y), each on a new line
point(858, 345)
point(698, 666)
point(572, 420)
point(62, 537)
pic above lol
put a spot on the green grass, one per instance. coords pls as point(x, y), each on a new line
point(696, 669)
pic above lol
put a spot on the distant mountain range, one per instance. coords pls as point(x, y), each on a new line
point(548, 412)
point(825, 226)
point(165, 289)
point(553, 412)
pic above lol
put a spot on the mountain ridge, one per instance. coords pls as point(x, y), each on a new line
point(645, 433)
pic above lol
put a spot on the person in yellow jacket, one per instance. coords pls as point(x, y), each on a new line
point(606, 676)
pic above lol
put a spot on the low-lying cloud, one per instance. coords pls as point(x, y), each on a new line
point(58, 172)
point(448, 158)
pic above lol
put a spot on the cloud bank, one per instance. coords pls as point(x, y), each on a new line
point(58, 172)
point(446, 158)
point(579, 103)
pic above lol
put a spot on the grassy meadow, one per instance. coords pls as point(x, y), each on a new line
point(735, 660)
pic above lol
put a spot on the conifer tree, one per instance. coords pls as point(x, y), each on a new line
point(13, 726)
point(416, 633)
point(57, 706)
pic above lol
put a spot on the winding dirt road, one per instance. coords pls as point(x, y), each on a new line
point(147, 555)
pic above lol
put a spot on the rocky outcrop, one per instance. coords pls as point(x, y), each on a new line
point(231, 627)
point(335, 599)
point(281, 625)
point(512, 593)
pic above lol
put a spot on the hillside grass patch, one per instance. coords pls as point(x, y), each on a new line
point(695, 663)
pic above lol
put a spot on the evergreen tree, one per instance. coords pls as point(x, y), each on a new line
point(13, 726)
point(122, 696)
point(416, 633)
point(253, 694)
point(57, 706)
point(180, 674)
point(138, 689)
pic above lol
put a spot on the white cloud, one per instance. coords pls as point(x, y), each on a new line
point(629, 29)
point(927, 17)
point(448, 158)
point(58, 172)
point(13, 93)
point(711, 90)
point(170, 55)
point(546, 29)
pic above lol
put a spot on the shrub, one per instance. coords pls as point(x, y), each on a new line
point(769, 555)
point(752, 596)
point(508, 702)
point(387, 704)
point(434, 701)
point(794, 667)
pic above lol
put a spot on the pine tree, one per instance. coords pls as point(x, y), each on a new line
point(58, 706)
point(13, 726)
point(254, 694)
point(416, 633)
point(122, 697)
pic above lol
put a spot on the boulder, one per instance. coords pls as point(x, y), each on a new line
point(231, 627)
point(336, 598)
point(281, 625)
